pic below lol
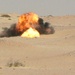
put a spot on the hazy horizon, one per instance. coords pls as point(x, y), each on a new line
point(42, 7)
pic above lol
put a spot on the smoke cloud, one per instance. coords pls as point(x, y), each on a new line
point(8, 32)
point(25, 22)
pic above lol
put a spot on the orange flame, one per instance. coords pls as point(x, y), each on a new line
point(26, 21)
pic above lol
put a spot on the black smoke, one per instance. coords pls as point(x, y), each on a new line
point(8, 32)
point(46, 27)
point(43, 28)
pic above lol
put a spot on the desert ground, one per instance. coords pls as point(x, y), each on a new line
point(52, 54)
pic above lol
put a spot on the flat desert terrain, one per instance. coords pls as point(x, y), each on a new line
point(52, 54)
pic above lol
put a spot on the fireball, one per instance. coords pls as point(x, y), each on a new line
point(26, 21)
point(31, 33)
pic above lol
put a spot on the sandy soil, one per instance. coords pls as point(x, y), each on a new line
point(52, 54)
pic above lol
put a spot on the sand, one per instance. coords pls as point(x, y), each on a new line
point(52, 54)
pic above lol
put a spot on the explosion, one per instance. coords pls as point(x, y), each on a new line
point(29, 25)
point(26, 21)
point(31, 33)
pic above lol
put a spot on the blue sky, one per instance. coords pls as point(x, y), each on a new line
point(41, 7)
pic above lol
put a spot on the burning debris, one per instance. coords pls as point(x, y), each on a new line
point(29, 25)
